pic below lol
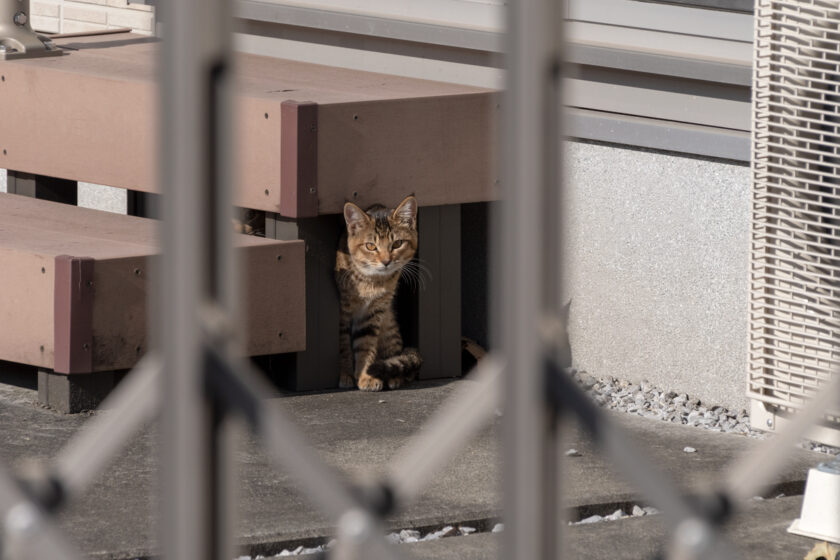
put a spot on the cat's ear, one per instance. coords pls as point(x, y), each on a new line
point(406, 212)
point(355, 217)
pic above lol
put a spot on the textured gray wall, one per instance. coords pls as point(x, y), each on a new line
point(658, 246)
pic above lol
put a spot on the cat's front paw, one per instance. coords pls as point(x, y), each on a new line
point(395, 382)
point(369, 383)
point(346, 381)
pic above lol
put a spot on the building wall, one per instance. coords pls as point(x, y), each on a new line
point(73, 16)
point(658, 251)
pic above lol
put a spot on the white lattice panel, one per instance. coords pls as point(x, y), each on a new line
point(795, 258)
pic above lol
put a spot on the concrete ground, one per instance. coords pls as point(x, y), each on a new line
point(359, 433)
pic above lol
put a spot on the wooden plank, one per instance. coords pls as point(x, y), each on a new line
point(382, 135)
point(26, 288)
point(119, 249)
point(439, 148)
point(275, 302)
point(74, 293)
point(120, 316)
point(317, 366)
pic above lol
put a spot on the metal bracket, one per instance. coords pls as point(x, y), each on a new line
point(17, 39)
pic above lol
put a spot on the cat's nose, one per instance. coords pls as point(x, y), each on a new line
point(386, 263)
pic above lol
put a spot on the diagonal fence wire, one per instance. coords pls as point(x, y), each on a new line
point(132, 404)
point(240, 386)
point(28, 531)
point(461, 416)
point(753, 472)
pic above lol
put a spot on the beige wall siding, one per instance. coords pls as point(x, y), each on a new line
point(72, 16)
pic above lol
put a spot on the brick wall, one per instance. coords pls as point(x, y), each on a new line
point(71, 16)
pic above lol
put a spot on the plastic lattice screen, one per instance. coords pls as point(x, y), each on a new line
point(795, 230)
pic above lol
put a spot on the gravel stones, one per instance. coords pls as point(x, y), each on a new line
point(644, 399)
point(637, 511)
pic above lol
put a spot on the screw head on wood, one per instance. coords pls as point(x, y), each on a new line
point(769, 422)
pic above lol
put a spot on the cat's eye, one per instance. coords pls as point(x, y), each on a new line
point(370, 246)
point(397, 244)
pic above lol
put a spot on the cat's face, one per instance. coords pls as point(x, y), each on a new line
point(381, 241)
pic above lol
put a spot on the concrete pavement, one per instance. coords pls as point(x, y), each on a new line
point(359, 434)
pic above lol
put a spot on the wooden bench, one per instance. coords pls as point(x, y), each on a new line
point(307, 137)
point(73, 287)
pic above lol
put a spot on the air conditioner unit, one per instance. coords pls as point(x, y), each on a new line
point(795, 227)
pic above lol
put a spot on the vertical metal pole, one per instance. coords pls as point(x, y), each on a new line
point(195, 276)
point(524, 277)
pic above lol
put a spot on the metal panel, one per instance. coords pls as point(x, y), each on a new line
point(345, 21)
point(439, 300)
point(676, 19)
point(652, 133)
point(794, 267)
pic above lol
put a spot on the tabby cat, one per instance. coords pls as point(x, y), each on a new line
point(373, 251)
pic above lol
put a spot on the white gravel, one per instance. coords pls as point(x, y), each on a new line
point(636, 511)
point(644, 399)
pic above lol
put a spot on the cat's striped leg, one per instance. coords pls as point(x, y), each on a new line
point(365, 339)
point(389, 365)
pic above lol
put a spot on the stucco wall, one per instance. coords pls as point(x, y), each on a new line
point(658, 251)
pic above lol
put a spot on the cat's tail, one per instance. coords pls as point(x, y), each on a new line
point(405, 365)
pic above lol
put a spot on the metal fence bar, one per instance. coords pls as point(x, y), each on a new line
point(243, 389)
point(619, 447)
point(528, 438)
point(447, 431)
point(194, 68)
point(753, 471)
point(28, 532)
point(132, 404)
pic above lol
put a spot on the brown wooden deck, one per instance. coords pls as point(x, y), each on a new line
point(73, 283)
point(308, 137)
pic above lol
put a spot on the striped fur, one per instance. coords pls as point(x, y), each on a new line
point(376, 246)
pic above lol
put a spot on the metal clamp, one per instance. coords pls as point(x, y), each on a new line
point(17, 39)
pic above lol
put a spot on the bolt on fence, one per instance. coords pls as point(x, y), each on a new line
point(195, 382)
